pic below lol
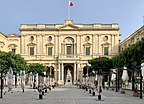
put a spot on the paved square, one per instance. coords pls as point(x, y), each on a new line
point(69, 95)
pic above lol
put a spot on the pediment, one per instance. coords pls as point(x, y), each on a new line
point(105, 44)
point(31, 44)
point(49, 44)
point(12, 45)
point(87, 44)
point(69, 26)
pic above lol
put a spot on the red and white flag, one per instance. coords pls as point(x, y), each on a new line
point(70, 3)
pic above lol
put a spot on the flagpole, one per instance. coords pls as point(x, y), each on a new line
point(143, 20)
point(68, 11)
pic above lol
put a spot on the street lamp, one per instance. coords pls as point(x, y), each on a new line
point(1, 77)
point(49, 72)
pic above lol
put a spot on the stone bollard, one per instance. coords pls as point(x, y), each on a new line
point(99, 97)
point(42, 92)
point(93, 93)
point(86, 89)
point(40, 95)
point(90, 91)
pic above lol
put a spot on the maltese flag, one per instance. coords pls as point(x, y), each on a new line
point(70, 3)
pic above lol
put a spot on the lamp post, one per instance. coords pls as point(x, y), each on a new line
point(141, 79)
point(133, 80)
point(1, 74)
point(50, 72)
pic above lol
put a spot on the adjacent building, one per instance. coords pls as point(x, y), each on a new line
point(63, 47)
point(133, 38)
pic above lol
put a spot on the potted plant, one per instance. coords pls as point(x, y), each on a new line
point(136, 92)
point(122, 91)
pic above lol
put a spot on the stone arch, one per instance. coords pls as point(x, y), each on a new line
point(70, 67)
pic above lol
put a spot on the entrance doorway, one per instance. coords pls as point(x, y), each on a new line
point(70, 68)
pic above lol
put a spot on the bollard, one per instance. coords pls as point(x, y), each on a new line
point(90, 91)
point(99, 97)
point(40, 96)
point(42, 92)
point(86, 89)
point(93, 93)
point(23, 90)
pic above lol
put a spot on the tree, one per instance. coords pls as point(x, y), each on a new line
point(15, 61)
point(102, 63)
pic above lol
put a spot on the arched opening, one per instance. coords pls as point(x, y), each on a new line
point(68, 46)
point(70, 68)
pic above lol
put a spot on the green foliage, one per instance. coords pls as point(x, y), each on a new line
point(37, 68)
point(101, 64)
point(133, 55)
point(9, 59)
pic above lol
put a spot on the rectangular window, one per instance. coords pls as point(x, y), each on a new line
point(13, 50)
point(105, 50)
point(69, 50)
point(87, 50)
point(49, 50)
point(31, 50)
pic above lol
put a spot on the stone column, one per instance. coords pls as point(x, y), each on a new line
point(94, 43)
point(97, 44)
point(78, 71)
point(75, 73)
point(59, 72)
point(112, 44)
point(62, 72)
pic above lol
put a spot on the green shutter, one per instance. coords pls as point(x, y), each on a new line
point(105, 50)
point(31, 50)
point(49, 50)
point(87, 50)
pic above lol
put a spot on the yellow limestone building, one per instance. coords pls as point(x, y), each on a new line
point(63, 46)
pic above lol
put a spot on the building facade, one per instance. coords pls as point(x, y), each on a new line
point(63, 47)
point(132, 39)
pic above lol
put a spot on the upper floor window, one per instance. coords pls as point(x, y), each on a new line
point(105, 50)
point(14, 50)
point(87, 50)
point(31, 50)
point(105, 38)
point(49, 50)
point(49, 38)
point(87, 38)
point(31, 38)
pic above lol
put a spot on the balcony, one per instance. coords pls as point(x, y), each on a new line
point(68, 57)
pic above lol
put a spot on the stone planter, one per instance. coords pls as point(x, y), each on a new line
point(122, 92)
point(136, 94)
point(112, 89)
point(107, 88)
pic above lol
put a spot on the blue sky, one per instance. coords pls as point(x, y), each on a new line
point(127, 13)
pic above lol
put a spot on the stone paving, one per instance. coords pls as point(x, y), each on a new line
point(68, 95)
